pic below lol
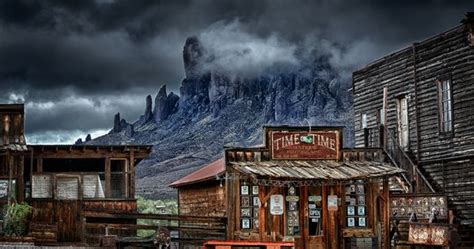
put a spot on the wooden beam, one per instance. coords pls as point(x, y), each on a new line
point(386, 222)
point(108, 178)
point(21, 179)
point(132, 174)
point(261, 212)
point(39, 165)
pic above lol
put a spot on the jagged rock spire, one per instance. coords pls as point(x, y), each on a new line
point(88, 138)
point(160, 111)
point(117, 127)
point(148, 113)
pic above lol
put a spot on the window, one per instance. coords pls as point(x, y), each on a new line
point(249, 206)
point(445, 106)
point(364, 121)
point(356, 212)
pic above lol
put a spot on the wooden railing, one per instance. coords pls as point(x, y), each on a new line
point(184, 228)
point(398, 156)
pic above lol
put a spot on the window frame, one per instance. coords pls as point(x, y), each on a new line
point(442, 128)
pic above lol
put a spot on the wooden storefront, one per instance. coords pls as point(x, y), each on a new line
point(68, 180)
point(64, 182)
point(303, 187)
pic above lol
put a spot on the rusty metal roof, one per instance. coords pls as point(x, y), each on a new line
point(208, 172)
point(321, 169)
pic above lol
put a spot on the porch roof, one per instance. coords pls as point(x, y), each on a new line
point(317, 169)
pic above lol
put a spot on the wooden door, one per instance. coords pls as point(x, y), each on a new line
point(402, 123)
point(315, 218)
point(68, 208)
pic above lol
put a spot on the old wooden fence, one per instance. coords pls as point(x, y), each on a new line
point(184, 229)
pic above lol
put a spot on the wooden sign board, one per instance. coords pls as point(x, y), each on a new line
point(428, 234)
point(276, 204)
point(291, 145)
point(332, 202)
point(402, 206)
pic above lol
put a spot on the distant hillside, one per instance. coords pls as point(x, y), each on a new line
point(218, 107)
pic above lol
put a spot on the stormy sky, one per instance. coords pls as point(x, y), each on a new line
point(76, 63)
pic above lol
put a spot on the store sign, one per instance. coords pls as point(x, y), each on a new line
point(332, 202)
point(428, 234)
point(305, 145)
point(276, 204)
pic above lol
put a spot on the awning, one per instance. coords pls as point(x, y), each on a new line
point(317, 170)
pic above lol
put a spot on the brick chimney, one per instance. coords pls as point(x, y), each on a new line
point(468, 21)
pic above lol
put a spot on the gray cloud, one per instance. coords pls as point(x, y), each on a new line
point(76, 63)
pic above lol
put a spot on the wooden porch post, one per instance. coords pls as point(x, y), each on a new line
point(386, 215)
point(333, 235)
point(21, 180)
point(131, 193)
point(108, 186)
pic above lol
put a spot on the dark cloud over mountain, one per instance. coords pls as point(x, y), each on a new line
point(87, 59)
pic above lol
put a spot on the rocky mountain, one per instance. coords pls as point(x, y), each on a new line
point(220, 108)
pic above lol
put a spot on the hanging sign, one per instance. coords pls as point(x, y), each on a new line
point(314, 198)
point(292, 198)
point(276, 204)
point(305, 144)
point(332, 202)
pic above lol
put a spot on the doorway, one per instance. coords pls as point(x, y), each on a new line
point(68, 208)
point(315, 217)
point(402, 123)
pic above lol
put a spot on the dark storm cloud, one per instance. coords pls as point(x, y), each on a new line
point(98, 53)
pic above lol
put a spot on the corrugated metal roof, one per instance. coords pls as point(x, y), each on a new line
point(323, 170)
point(205, 173)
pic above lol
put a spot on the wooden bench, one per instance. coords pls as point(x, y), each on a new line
point(228, 244)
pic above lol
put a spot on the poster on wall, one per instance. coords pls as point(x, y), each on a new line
point(332, 202)
point(276, 204)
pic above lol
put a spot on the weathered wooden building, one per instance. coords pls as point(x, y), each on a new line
point(12, 153)
point(302, 187)
point(202, 192)
point(418, 103)
point(64, 182)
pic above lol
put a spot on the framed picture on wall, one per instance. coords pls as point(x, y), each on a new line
point(350, 210)
point(244, 190)
point(360, 189)
point(361, 210)
point(245, 201)
point(361, 200)
point(245, 223)
point(256, 201)
point(255, 190)
point(350, 222)
point(362, 222)
point(245, 212)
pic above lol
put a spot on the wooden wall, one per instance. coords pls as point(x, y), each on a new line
point(448, 53)
point(439, 155)
point(204, 200)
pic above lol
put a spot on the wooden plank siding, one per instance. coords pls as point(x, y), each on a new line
point(446, 159)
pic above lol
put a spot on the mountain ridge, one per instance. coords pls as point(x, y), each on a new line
point(219, 108)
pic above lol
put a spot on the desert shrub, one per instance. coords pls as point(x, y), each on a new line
point(15, 220)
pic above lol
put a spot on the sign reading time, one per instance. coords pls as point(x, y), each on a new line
point(305, 145)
